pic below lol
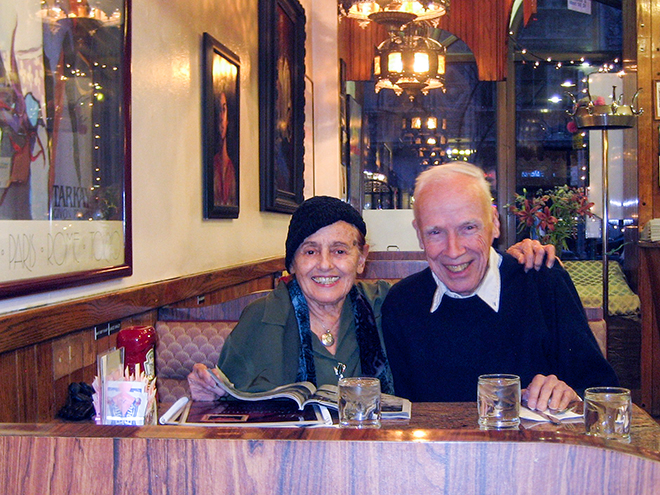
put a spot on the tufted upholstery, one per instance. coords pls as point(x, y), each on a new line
point(588, 279)
point(189, 335)
point(180, 345)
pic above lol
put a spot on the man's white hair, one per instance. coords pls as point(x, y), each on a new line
point(441, 173)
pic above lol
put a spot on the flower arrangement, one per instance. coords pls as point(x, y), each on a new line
point(551, 216)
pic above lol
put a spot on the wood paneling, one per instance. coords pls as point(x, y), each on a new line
point(439, 451)
point(26, 393)
point(65, 465)
point(43, 377)
point(650, 299)
point(44, 350)
point(44, 323)
point(9, 403)
point(642, 40)
point(484, 26)
point(646, 129)
point(357, 47)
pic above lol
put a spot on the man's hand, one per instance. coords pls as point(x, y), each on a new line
point(532, 253)
point(202, 386)
point(548, 392)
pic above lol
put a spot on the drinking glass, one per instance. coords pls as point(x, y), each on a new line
point(498, 401)
point(359, 402)
point(607, 412)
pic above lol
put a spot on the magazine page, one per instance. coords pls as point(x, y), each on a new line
point(268, 413)
point(298, 392)
point(306, 393)
point(325, 395)
point(393, 407)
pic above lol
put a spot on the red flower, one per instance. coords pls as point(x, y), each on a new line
point(546, 220)
point(584, 207)
point(571, 127)
point(527, 214)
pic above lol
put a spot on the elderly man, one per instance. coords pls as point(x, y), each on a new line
point(475, 311)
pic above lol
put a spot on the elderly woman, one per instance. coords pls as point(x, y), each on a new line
point(318, 317)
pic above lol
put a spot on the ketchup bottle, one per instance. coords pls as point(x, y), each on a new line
point(138, 343)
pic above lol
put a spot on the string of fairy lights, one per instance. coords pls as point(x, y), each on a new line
point(90, 92)
point(527, 56)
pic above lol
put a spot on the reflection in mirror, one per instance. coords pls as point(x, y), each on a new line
point(390, 139)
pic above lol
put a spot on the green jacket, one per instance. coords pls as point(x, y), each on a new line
point(262, 352)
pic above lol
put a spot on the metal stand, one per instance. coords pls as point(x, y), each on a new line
point(605, 117)
point(605, 122)
point(606, 202)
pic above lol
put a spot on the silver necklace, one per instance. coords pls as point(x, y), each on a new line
point(327, 339)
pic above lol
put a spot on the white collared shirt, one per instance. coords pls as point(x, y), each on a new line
point(488, 291)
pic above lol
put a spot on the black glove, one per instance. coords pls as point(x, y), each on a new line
point(79, 404)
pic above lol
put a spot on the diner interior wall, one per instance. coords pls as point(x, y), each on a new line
point(170, 237)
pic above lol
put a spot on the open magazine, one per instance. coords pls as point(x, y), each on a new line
point(305, 393)
point(235, 413)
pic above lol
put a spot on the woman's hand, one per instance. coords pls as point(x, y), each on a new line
point(202, 386)
point(532, 253)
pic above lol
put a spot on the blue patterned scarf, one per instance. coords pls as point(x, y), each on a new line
point(372, 357)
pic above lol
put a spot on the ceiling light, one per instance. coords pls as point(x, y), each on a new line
point(57, 10)
point(409, 62)
point(393, 13)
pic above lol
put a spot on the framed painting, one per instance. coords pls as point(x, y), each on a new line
point(281, 104)
point(65, 151)
point(220, 129)
point(309, 174)
point(355, 150)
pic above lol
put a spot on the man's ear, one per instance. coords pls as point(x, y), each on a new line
point(419, 235)
point(496, 223)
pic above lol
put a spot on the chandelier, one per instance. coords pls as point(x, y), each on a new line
point(409, 62)
point(393, 13)
point(56, 10)
point(425, 135)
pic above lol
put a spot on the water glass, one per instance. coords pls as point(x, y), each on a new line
point(607, 412)
point(359, 402)
point(498, 401)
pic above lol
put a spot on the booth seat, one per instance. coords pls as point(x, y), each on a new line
point(622, 323)
point(189, 335)
point(192, 335)
point(587, 275)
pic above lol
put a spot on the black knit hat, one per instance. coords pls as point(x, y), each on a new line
point(314, 214)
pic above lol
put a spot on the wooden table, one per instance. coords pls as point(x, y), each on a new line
point(645, 431)
point(440, 450)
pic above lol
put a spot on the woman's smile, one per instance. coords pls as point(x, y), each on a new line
point(325, 280)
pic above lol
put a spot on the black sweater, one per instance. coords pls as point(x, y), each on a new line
point(540, 328)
